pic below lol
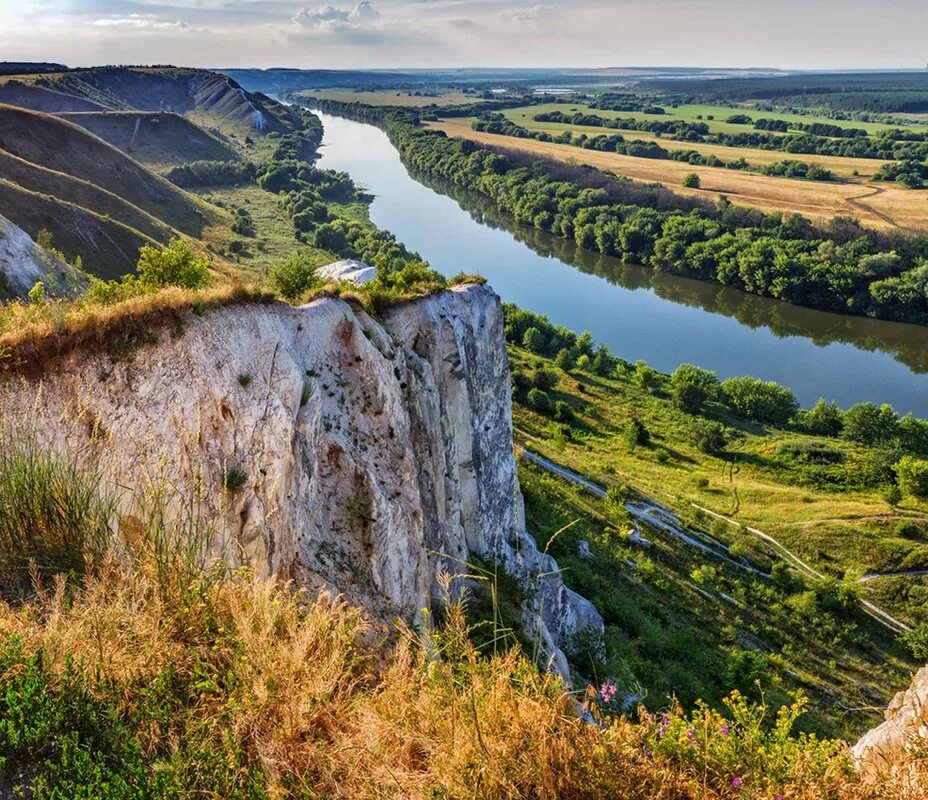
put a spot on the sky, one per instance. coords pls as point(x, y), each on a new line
point(789, 34)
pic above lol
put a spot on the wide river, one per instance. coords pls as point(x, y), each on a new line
point(639, 313)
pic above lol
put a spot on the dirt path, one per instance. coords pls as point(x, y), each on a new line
point(656, 515)
point(855, 200)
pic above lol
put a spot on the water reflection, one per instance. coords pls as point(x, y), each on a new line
point(638, 312)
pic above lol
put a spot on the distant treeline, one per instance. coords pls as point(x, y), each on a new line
point(876, 93)
point(892, 145)
point(498, 123)
point(199, 174)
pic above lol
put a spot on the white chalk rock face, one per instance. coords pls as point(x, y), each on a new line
point(348, 270)
point(373, 455)
point(893, 745)
point(23, 264)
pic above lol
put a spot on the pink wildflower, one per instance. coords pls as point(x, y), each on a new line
point(736, 782)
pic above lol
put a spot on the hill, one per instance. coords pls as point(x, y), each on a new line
point(23, 263)
point(115, 203)
point(147, 89)
point(158, 137)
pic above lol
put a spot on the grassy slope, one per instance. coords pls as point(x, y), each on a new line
point(108, 248)
point(883, 206)
point(662, 629)
point(155, 138)
point(55, 144)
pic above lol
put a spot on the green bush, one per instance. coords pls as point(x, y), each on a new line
point(539, 400)
point(763, 401)
point(691, 387)
point(174, 265)
point(545, 379)
point(709, 436)
point(293, 276)
point(563, 412)
point(636, 433)
point(814, 451)
point(823, 419)
point(912, 476)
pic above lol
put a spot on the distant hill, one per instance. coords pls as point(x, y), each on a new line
point(29, 67)
point(146, 89)
point(154, 137)
point(98, 202)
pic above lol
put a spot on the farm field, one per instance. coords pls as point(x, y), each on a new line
point(843, 167)
point(694, 113)
point(879, 205)
point(391, 97)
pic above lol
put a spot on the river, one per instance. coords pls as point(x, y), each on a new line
point(639, 313)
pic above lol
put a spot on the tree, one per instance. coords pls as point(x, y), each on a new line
point(645, 377)
point(870, 424)
point(916, 641)
point(539, 400)
point(692, 181)
point(691, 387)
point(293, 276)
point(174, 265)
point(37, 292)
point(564, 360)
point(534, 340)
point(912, 476)
point(545, 379)
point(709, 436)
point(823, 419)
point(764, 401)
point(636, 433)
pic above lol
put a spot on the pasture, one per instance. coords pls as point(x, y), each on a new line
point(878, 205)
point(713, 115)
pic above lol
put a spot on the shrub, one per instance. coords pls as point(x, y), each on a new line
point(534, 340)
point(709, 436)
point(563, 412)
point(691, 387)
point(814, 451)
point(870, 424)
point(293, 276)
point(539, 400)
point(823, 419)
point(636, 433)
point(233, 479)
point(916, 642)
point(763, 401)
point(545, 379)
point(174, 265)
point(645, 377)
point(692, 181)
point(564, 360)
point(912, 476)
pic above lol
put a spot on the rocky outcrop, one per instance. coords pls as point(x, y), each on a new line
point(890, 747)
point(23, 264)
point(360, 455)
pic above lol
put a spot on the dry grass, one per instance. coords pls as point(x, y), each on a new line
point(33, 336)
point(880, 206)
point(328, 706)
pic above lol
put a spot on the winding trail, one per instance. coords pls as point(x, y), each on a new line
point(656, 515)
point(855, 201)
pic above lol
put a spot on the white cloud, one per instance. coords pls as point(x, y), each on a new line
point(332, 16)
point(140, 22)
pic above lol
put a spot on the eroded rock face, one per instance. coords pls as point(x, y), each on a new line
point(373, 455)
point(23, 263)
point(891, 746)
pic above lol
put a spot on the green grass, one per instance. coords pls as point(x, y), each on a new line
point(690, 113)
point(661, 627)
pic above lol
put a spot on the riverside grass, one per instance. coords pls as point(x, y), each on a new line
point(153, 672)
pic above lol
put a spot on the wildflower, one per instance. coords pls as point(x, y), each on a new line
point(691, 735)
point(725, 729)
point(607, 691)
point(736, 782)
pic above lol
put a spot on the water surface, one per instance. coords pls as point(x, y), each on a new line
point(638, 312)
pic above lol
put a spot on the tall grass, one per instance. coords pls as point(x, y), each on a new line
point(55, 516)
point(138, 672)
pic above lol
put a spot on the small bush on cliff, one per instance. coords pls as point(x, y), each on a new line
point(293, 276)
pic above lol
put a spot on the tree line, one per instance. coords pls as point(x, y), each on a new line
point(841, 266)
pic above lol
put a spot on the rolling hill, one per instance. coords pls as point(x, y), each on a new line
point(98, 202)
point(146, 89)
point(154, 137)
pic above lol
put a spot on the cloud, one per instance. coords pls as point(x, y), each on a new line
point(140, 22)
point(336, 16)
point(525, 14)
